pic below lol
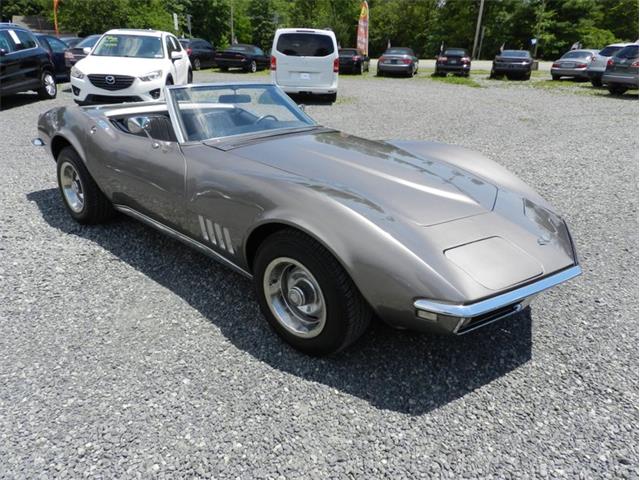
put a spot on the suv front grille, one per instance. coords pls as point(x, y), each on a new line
point(111, 82)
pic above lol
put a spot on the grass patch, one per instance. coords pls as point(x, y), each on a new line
point(453, 80)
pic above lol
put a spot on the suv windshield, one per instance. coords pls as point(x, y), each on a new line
point(628, 52)
point(88, 42)
point(609, 51)
point(305, 45)
point(216, 111)
point(515, 53)
point(138, 46)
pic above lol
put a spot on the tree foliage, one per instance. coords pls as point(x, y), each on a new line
point(423, 25)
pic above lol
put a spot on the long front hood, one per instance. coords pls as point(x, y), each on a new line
point(118, 65)
point(422, 190)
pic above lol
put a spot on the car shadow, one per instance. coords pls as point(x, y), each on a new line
point(18, 100)
point(306, 99)
point(401, 371)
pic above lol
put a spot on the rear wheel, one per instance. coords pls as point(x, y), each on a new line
point(306, 295)
point(224, 69)
point(361, 69)
point(253, 67)
point(379, 73)
point(196, 64)
point(48, 88)
point(617, 89)
point(555, 77)
point(84, 200)
point(596, 82)
point(332, 97)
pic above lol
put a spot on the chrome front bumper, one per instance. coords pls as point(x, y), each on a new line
point(464, 318)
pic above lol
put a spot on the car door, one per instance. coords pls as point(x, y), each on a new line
point(209, 53)
point(58, 48)
point(145, 174)
point(261, 59)
point(180, 65)
point(27, 50)
point(10, 75)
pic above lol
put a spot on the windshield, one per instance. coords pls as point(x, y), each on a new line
point(455, 52)
point(88, 42)
point(216, 111)
point(347, 52)
point(577, 54)
point(515, 53)
point(609, 51)
point(305, 44)
point(628, 52)
point(239, 48)
point(398, 51)
point(137, 46)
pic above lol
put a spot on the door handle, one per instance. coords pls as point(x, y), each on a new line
point(93, 129)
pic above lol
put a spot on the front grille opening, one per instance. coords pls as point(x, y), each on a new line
point(476, 322)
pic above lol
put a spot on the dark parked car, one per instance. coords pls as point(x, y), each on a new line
point(352, 61)
point(56, 48)
point(71, 41)
point(513, 64)
point(398, 60)
point(24, 63)
point(201, 53)
point(573, 64)
point(247, 57)
point(75, 54)
point(453, 60)
point(622, 71)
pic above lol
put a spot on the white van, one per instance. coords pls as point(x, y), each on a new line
point(305, 60)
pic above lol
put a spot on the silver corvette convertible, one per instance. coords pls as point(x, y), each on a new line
point(332, 228)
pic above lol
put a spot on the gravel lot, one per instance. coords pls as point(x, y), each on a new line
point(124, 353)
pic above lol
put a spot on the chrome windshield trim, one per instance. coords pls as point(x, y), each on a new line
point(499, 301)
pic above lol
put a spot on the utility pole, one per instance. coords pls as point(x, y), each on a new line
point(481, 39)
point(475, 40)
point(233, 36)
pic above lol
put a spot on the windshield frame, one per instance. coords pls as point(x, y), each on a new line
point(103, 37)
point(180, 130)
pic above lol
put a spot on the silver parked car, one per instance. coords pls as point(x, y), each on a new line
point(398, 60)
point(573, 64)
point(331, 227)
point(622, 71)
point(599, 62)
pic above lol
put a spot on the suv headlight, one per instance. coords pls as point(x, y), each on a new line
point(151, 76)
point(76, 73)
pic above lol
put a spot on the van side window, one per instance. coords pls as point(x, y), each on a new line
point(305, 45)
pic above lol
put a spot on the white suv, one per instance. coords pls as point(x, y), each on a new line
point(305, 60)
point(129, 65)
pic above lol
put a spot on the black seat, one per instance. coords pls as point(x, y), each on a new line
point(160, 128)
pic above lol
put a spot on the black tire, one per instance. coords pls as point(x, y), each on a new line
point(596, 82)
point(361, 69)
point(331, 97)
point(555, 77)
point(617, 89)
point(190, 76)
point(48, 88)
point(347, 313)
point(196, 64)
point(379, 73)
point(253, 67)
point(96, 206)
point(493, 75)
point(169, 80)
point(224, 69)
point(527, 76)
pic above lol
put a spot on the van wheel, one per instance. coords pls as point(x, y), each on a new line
point(48, 88)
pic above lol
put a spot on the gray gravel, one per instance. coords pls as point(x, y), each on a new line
point(124, 353)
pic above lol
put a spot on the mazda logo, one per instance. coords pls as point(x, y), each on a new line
point(110, 79)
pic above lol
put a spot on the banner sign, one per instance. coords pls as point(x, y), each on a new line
point(363, 29)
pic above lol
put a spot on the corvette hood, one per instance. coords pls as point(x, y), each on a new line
point(422, 190)
point(119, 65)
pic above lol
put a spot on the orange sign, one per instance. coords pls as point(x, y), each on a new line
point(363, 29)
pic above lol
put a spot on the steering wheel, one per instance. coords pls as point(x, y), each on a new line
point(265, 117)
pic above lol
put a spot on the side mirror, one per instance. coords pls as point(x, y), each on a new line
point(176, 55)
point(138, 125)
point(86, 50)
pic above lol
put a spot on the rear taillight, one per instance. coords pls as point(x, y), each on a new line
point(634, 64)
point(189, 50)
point(273, 62)
point(406, 61)
point(555, 65)
point(466, 59)
point(442, 59)
point(610, 62)
point(581, 65)
point(355, 58)
point(336, 65)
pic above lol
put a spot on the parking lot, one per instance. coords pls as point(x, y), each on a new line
point(125, 353)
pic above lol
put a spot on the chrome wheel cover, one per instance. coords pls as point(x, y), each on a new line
point(294, 297)
point(71, 186)
point(254, 67)
point(50, 84)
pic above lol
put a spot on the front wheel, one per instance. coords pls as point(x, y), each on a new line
point(48, 88)
point(306, 295)
point(81, 196)
point(596, 82)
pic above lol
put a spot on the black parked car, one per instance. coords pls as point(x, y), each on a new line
point(247, 57)
point(352, 61)
point(201, 53)
point(24, 63)
point(75, 54)
point(622, 71)
point(453, 60)
point(56, 48)
point(513, 64)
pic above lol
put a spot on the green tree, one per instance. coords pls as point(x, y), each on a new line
point(263, 22)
